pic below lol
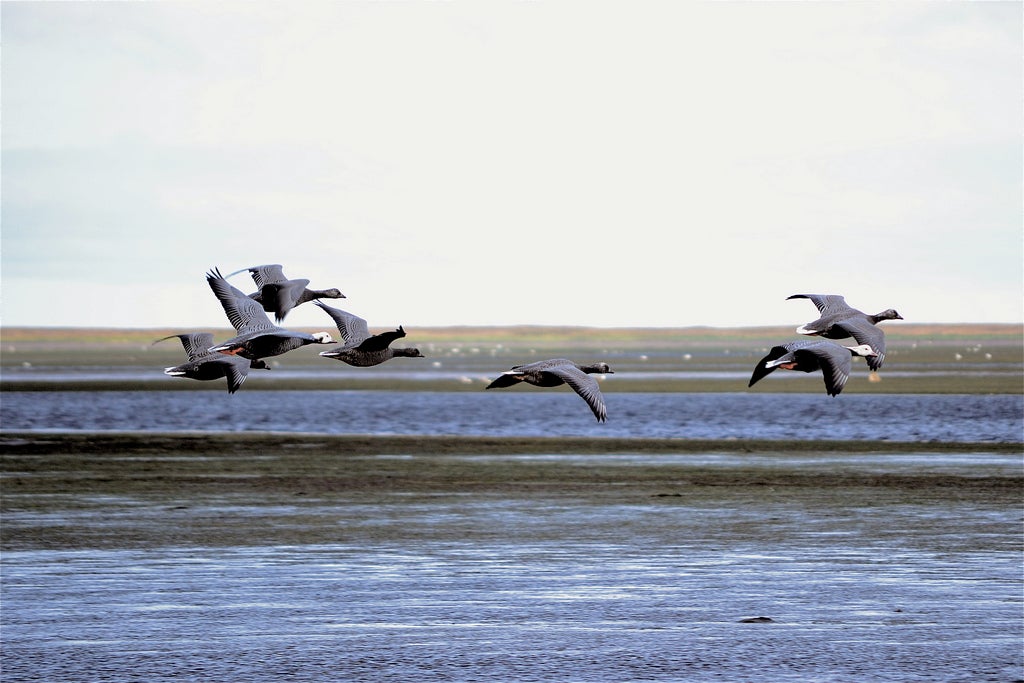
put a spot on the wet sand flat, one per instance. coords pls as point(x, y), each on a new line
point(150, 488)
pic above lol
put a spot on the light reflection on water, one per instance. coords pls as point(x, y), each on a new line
point(761, 415)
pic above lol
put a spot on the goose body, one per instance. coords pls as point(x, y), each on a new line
point(257, 337)
point(278, 294)
point(360, 348)
point(205, 365)
point(839, 320)
point(810, 355)
point(558, 371)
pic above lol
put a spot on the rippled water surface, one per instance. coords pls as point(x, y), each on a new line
point(894, 417)
point(541, 590)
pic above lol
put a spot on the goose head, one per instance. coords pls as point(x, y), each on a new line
point(599, 368)
point(322, 338)
point(889, 314)
point(407, 353)
point(862, 350)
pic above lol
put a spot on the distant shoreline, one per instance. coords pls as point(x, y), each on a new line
point(920, 358)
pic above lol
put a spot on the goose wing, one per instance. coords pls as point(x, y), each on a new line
point(834, 361)
point(244, 314)
point(379, 342)
point(531, 372)
point(540, 365)
point(262, 275)
point(236, 370)
point(266, 274)
point(506, 379)
point(196, 344)
point(827, 304)
point(353, 329)
point(583, 384)
point(865, 332)
point(763, 369)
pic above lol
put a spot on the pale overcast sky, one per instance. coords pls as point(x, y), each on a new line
point(582, 163)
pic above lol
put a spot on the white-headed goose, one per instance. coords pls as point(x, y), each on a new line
point(257, 336)
point(807, 355)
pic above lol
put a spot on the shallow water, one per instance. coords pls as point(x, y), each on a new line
point(893, 417)
point(493, 588)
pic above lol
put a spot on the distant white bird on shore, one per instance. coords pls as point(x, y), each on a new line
point(806, 355)
point(558, 371)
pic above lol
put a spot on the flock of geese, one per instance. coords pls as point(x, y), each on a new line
point(258, 338)
point(838, 320)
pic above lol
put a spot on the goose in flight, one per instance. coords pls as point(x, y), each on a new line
point(257, 336)
point(278, 295)
point(839, 320)
point(558, 371)
point(809, 355)
point(205, 365)
point(361, 348)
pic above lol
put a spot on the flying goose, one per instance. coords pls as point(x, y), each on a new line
point(558, 371)
point(257, 336)
point(204, 364)
point(360, 348)
point(839, 320)
point(278, 295)
point(808, 355)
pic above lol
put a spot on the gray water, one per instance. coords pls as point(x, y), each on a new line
point(886, 417)
point(551, 589)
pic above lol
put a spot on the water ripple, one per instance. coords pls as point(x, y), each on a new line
point(894, 417)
